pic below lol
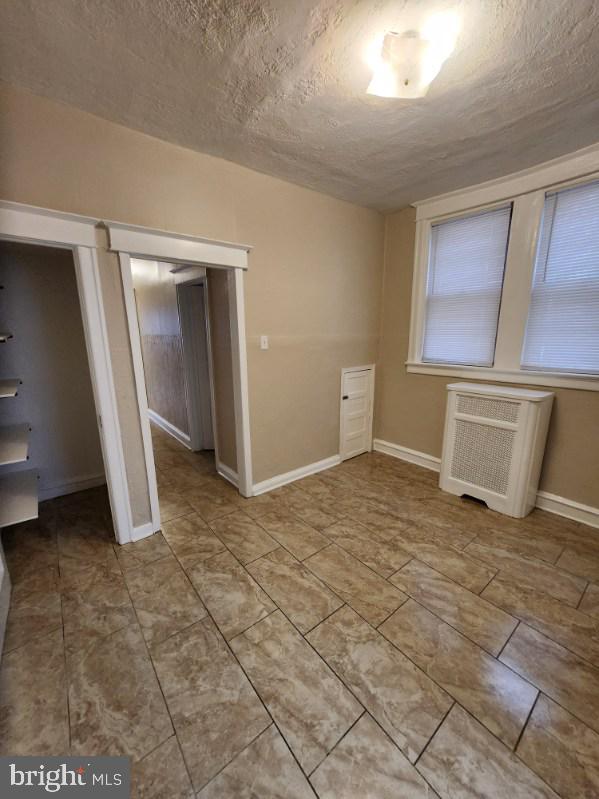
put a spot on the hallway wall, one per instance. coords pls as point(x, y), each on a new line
point(161, 340)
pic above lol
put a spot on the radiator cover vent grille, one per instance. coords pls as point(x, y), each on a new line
point(482, 455)
point(497, 409)
point(493, 444)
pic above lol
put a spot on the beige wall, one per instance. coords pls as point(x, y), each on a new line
point(410, 408)
point(222, 366)
point(161, 340)
point(40, 305)
point(315, 270)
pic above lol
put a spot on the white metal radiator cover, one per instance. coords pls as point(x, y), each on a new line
point(493, 444)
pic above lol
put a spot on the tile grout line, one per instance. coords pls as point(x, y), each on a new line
point(509, 638)
point(337, 742)
point(150, 658)
point(535, 625)
point(525, 725)
point(436, 730)
point(240, 665)
point(449, 624)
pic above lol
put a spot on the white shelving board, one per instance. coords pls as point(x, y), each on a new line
point(18, 497)
point(9, 387)
point(14, 444)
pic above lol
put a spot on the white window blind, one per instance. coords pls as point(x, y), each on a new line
point(562, 333)
point(463, 293)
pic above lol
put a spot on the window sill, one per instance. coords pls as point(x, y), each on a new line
point(547, 379)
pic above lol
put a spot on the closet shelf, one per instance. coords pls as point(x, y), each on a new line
point(9, 387)
point(18, 497)
point(4, 337)
point(14, 444)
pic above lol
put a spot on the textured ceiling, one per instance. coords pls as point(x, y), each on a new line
point(279, 85)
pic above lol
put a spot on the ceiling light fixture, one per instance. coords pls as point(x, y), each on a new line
point(405, 64)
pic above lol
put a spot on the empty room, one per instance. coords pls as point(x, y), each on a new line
point(299, 399)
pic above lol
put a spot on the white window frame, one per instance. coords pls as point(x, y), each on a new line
point(526, 191)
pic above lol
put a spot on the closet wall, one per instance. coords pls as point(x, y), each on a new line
point(41, 308)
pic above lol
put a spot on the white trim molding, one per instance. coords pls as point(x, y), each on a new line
point(169, 428)
point(521, 376)
point(562, 506)
point(580, 164)
point(80, 234)
point(175, 247)
point(552, 503)
point(296, 474)
point(53, 228)
point(140, 387)
point(406, 454)
point(240, 381)
point(525, 192)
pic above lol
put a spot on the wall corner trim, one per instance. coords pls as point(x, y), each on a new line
point(296, 474)
point(552, 503)
point(169, 428)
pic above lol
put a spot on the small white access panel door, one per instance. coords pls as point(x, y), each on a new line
point(357, 394)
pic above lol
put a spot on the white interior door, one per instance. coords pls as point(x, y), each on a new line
point(357, 394)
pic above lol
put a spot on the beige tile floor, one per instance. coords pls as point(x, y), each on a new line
point(357, 634)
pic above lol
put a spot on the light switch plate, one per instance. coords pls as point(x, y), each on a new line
point(263, 342)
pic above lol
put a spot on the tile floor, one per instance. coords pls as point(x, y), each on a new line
point(357, 634)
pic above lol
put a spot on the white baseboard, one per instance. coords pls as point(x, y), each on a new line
point(71, 486)
point(169, 428)
point(228, 473)
point(568, 508)
point(561, 506)
point(405, 454)
point(289, 477)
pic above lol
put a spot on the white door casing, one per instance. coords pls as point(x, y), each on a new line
point(357, 400)
point(79, 234)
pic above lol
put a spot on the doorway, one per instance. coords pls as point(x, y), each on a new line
point(182, 322)
point(356, 411)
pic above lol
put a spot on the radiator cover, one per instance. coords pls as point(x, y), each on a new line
point(494, 443)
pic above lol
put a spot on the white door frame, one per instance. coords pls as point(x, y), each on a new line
point(41, 226)
point(135, 241)
point(370, 367)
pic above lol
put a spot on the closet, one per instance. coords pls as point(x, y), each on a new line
point(49, 441)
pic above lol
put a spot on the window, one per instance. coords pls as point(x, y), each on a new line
point(506, 279)
point(463, 292)
point(562, 333)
